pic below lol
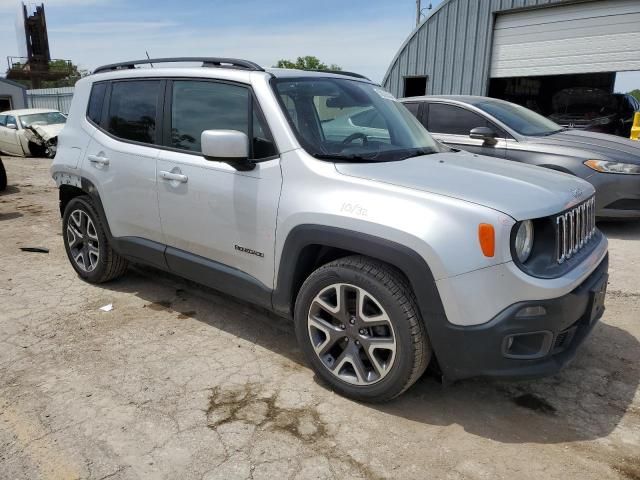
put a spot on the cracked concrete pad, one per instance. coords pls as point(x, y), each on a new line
point(178, 381)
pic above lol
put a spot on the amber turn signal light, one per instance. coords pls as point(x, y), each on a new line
point(487, 238)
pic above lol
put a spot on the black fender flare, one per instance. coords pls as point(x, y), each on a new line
point(409, 262)
point(88, 188)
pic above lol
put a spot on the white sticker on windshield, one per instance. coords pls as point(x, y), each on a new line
point(384, 94)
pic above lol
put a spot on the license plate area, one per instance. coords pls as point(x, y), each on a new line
point(598, 294)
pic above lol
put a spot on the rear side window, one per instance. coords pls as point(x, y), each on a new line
point(453, 120)
point(413, 108)
point(132, 110)
point(3, 120)
point(198, 106)
point(96, 100)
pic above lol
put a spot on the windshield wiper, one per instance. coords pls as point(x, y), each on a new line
point(418, 153)
point(343, 158)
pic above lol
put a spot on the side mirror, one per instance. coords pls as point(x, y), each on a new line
point(230, 146)
point(484, 133)
point(12, 126)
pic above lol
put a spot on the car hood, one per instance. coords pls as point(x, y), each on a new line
point(519, 190)
point(47, 132)
point(588, 145)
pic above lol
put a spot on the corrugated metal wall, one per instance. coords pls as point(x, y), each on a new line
point(54, 98)
point(452, 47)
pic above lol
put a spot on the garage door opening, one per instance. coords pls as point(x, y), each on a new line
point(415, 86)
point(537, 93)
point(5, 104)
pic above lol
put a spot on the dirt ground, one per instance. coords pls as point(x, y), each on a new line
point(180, 382)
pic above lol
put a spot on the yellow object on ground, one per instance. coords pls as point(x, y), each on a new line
point(635, 129)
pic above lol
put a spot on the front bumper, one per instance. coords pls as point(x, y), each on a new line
point(618, 196)
point(543, 343)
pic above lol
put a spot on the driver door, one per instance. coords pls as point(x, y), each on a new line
point(451, 124)
point(9, 140)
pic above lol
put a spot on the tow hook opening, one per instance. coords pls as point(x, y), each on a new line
point(527, 346)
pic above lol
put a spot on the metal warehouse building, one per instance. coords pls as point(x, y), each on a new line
point(12, 95)
point(519, 50)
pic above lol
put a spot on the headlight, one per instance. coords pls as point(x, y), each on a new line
point(605, 166)
point(524, 240)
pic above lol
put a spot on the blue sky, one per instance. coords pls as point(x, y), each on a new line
point(359, 35)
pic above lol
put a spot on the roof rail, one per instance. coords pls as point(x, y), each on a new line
point(342, 72)
point(206, 62)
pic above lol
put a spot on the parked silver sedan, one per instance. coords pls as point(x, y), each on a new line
point(488, 126)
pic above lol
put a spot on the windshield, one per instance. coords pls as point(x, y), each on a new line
point(47, 118)
point(520, 119)
point(347, 120)
point(588, 103)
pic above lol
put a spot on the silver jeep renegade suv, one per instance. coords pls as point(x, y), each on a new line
point(320, 197)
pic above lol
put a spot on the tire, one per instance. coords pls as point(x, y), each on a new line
point(37, 150)
point(3, 177)
point(384, 290)
point(92, 258)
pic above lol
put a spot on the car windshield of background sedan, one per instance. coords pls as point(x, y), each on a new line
point(520, 119)
point(348, 120)
point(46, 118)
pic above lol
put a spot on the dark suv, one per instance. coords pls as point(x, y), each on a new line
point(594, 110)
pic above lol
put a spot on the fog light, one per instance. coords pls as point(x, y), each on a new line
point(536, 311)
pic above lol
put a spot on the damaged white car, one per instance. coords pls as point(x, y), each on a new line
point(31, 132)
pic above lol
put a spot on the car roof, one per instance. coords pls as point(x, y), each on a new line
point(28, 111)
point(219, 72)
point(468, 99)
point(295, 73)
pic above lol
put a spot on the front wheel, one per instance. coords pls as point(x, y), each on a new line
point(87, 245)
point(359, 327)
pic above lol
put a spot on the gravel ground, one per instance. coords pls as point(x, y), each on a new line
point(180, 382)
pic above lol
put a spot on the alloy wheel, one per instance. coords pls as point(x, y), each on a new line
point(351, 334)
point(82, 240)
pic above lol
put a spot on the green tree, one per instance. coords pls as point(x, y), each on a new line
point(307, 63)
point(635, 93)
point(69, 74)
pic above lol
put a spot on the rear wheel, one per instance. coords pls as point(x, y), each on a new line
point(358, 325)
point(87, 245)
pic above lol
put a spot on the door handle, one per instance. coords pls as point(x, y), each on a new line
point(178, 177)
point(98, 159)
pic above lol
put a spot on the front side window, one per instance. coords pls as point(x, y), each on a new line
point(132, 110)
point(11, 120)
point(453, 120)
point(520, 119)
point(348, 120)
point(199, 105)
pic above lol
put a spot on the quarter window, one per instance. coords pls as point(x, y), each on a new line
point(96, 100)
point(198, 106)
point(132, 110)
point(413, 108)
point(453, 120)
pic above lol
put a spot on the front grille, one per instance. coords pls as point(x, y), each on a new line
point(574, 229)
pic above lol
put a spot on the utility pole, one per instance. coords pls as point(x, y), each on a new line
point(418, 12)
